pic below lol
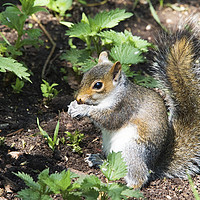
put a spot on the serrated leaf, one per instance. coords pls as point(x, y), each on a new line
point(126, 54)
point(60, 6)
point(132, 193)
point(91, 182)
point(108, 19)
point(28, 194)
point(88, 64)
point(90, 194)
point(118, 38)
point(113, 37)
point(34, 32)
point(76, 56)
point(36, 9)
point(13, 18)
point(115, 167)
point(28, 180)
point(80, 30)
point(114, 191)
point(15, 67)
point(59, 181)
point(140, 43)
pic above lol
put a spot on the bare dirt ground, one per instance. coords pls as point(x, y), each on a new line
point(25, 150)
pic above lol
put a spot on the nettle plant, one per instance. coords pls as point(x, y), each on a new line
point(97, 35)
point(87, 187)
point(15, 18)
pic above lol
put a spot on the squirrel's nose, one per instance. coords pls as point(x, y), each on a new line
point(81, 99)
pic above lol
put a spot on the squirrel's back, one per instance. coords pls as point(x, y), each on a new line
point(177, 67)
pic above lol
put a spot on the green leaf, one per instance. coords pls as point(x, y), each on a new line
point(91, 182)
point(43, 175)
point(88, 64)
point(45, 134)
point(29, 194)
point(132, 193)
point(80, 30)
point(60, 6)
point(115, 167)
point(85, 19)
point(15, 67)
point(76, 56)
point(58, 182)
point(68, 24)
point(55, 136)
point(114, 191)
point(36, 9)
point(154, 14)
point(28, 180)
point(140, 43)
point(145, 80)
point(90, 186)
point(90, 194)
point(108, 19)
point(13, 18)
point(194, 190)
point(41, 2)
point(126, 54)
point(34, 33)
point(118, 38)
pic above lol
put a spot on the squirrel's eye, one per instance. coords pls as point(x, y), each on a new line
point(98, 85)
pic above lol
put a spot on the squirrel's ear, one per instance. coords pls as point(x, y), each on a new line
point(103, 57)
point(116, 70)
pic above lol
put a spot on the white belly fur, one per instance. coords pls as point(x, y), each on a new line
point(117, 140)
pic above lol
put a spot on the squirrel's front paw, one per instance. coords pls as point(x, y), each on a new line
point(78, 110)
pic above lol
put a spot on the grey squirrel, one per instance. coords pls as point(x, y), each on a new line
point(134, 119)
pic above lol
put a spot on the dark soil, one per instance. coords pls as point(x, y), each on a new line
point(25, 150)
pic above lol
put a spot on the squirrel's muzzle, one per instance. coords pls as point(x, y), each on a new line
point(81, 99)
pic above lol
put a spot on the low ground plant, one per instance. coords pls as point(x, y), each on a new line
point(48, 91)
point(52, 142)
point(98, 35)
point(15, 17)
point(74, 140)
point(89, 187)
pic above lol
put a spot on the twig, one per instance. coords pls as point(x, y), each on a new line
point(96, 4)
point(51, 40)
point(13, 133)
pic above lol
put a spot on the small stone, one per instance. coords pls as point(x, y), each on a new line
point(148, 27)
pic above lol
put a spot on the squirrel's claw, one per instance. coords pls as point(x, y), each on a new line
point(94, 159)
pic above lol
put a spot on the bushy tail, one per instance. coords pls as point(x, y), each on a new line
point(177, 67)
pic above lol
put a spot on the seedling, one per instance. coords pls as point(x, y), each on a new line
point(75, 140)
point(88, 187)
point(52, 142)
point(48, 91)
point(17, 87)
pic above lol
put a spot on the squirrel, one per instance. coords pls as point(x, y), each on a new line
point(156, 139)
